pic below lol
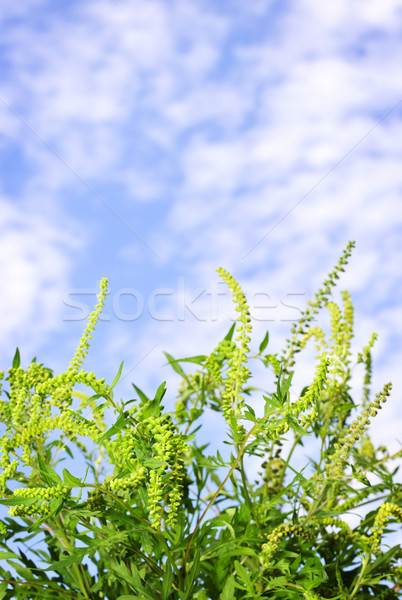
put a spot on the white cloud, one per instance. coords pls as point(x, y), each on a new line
point(35, 263)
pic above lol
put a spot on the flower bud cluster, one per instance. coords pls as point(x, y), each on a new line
point(192, 389)
point(238, 373)
point(169, 448)
point(43, 493)
point(9, 469)
point(342, 333)
point(214, 363)
point(365, 358)
point(271, 359)
point(3, 529)
point(38, 403)
point(345, 530)
point(278, 534)
point(156, 437)
point(31, 510)
point(202, 387)
point(318, 334)
point(95, 498)
point(309, 399)
point(351, 502)
point(129, 483)
point(385, 512)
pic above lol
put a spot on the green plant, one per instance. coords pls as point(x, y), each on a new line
point(170, 522)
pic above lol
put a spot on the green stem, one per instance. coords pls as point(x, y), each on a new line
point(360, 578)
point(85, 588)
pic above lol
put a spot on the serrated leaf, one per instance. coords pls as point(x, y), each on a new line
point(68, 561)
point(16, 360)
point(132, 577)
point(243, 575)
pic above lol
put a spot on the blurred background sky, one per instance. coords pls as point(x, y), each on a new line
point(151, 141)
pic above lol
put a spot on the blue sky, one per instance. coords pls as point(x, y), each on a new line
point(153, 141)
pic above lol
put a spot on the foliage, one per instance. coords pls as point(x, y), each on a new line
point(170, 522)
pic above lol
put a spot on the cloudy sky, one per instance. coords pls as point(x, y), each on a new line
point(151, 141)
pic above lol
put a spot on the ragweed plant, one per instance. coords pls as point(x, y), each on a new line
point(156, 517)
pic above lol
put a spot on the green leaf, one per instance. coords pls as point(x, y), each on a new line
point(160, 392)
point(16, 360)
point(154, 463)
point(191, 575)
point(295, 426)
point(17, 501)
point(228, 337)
point(3, 590)
point(116, 379)
point(228, 589)
point(286, 385)
point(249, 414)
point(70, 479)
point(55, 507)
point(8, 555)
point(198, 360)
point(244, 576)
point(264, 343)
point(100, 406)
point(68, 561)
point(132, 577)
point(271, 402)
point(49, 475)
point(175, 365)
point(167, 581)
point(120, 423)
point(141, 394)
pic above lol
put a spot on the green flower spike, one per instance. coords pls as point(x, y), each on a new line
point(238, 373)
point(295, 343)
point(384, 514)
point(83, 346)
